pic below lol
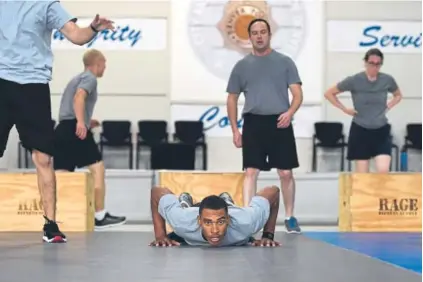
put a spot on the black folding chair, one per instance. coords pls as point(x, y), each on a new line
point(173, 156)
point(328, 135)
point(150, 133)
point(191, 132)
point(117, 134)
point(413, 138)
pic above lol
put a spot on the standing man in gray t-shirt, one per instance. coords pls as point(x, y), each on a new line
point(370, 132)
point(267, 138)
point(75, 144)
point(26, 62)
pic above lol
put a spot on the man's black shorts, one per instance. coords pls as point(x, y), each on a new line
point(28, 107)
point(71, 151)
point(265, 146)
point(364, 144)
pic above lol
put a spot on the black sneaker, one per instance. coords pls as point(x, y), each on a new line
point(52, 233)
point(228, 199)
point(186, 200)
point(109, 221)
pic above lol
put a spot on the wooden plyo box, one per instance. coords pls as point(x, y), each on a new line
point(372, 202)
point(21, 208)
point(202, 184)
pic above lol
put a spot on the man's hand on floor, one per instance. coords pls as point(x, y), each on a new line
point(163, 242)
point(265, 243)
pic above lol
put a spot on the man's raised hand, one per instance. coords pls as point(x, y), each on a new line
point(100, 23)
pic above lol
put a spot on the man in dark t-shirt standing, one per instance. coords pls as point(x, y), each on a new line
point(267, 138)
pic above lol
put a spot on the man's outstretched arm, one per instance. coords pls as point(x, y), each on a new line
point(159, 222)
point(58, 18)
point(272, 194)
point(264, 208)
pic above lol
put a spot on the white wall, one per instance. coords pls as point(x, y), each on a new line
point(146, 94)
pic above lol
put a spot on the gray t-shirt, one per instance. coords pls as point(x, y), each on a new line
point(369, 98)
point(87, 81)
point(245, 221)
point(264, 80)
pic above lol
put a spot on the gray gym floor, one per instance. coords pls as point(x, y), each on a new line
point(126, 257)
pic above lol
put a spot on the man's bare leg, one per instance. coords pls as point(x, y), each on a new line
point(46, 178)
point(250, 185)
point(102, 218)
point(98, 173)
point(288, 192)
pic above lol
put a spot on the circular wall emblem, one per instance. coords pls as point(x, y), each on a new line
point(218, 34)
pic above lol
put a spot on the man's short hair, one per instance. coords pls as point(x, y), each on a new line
point(213, 203)
point(258, 20)
point(90, 56)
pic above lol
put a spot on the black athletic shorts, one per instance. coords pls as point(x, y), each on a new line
point(265, 146)
point(28, 107)
point(71, 151)
point(364, 144)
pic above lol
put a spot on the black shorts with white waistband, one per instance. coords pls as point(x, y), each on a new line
point(71, 151)
point(265, 146)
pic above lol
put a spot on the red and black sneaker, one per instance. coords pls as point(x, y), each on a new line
point(52, 233)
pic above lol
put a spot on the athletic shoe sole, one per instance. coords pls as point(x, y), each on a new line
point(55, 239)
point(109, 225)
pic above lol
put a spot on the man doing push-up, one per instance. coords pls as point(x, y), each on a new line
point(216, 221)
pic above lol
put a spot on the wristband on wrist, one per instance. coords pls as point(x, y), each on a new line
point(268, 235)
point(93, 28)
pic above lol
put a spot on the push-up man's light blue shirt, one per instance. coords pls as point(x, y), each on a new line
point(25, 39)
point(244, 221)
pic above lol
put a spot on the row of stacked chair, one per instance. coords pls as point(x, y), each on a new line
point(178, 152)
point(330, 135)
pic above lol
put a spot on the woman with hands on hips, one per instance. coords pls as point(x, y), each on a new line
point(369, 135)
